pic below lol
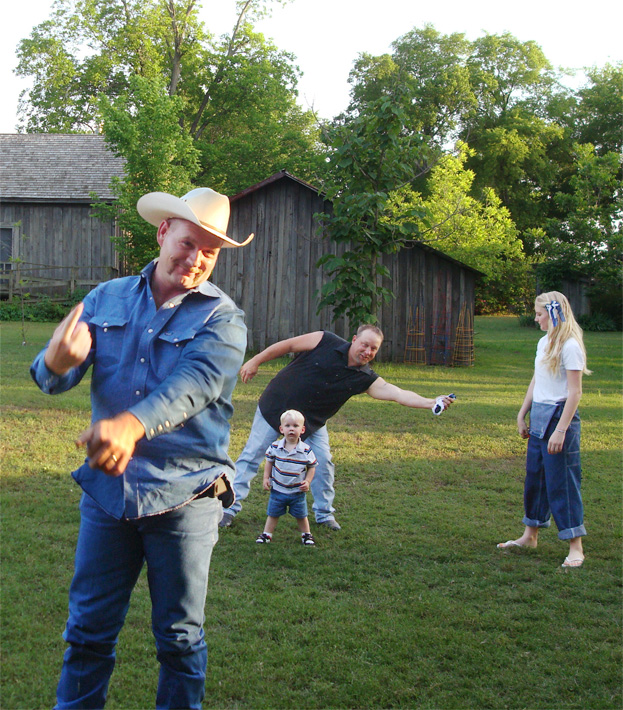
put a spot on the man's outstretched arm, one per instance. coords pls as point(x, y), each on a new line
point(298, 344)
point(380, 389)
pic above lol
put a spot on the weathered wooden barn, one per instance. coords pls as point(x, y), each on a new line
point(275, 279)
point(50, 240)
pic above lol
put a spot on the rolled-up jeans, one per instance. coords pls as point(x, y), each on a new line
point(261, 437)
point(552, 485)
point(177, 547)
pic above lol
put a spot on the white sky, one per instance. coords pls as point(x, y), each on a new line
point(326, 36)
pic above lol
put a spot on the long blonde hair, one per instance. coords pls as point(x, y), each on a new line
point(558, 335)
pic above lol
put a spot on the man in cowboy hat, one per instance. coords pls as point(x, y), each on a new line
point(165, 347)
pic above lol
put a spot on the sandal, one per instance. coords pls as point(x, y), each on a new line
point(508, 545)
point(307, 539)
point(263, 537)
point(572, 564)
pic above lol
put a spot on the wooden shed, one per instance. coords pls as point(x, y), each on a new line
point(50, 240)
point(276, 281)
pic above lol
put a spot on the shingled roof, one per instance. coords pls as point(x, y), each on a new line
point(59, 167)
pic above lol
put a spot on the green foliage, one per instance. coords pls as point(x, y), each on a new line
point(39, 309)
point(598, 114)
point(510, 289)
point(143, 126)
point(586, 237)
point(371, 156)
point(431, 70)
point(512, 138)
point(242, 113)
point(597, 322)
point(605, 295)
point(88, 48)
point(479, 233)
point(526, 320)
point(550, 155)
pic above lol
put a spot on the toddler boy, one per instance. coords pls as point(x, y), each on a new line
point(289, 469)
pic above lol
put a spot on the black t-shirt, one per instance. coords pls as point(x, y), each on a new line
point(317, 382)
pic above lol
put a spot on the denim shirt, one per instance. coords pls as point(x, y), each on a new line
point(541, 415)
point(174, 369)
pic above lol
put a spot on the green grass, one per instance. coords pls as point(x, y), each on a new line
point(409, 606)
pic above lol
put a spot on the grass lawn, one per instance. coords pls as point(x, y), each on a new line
point(410, 605)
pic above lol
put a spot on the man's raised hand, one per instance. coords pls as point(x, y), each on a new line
point(70, 343)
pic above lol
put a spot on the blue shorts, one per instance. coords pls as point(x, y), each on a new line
point(279, 503)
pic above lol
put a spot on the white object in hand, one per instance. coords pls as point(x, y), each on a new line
point(439, 405)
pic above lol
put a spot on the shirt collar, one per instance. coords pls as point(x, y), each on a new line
point(281, 444)
point(206, 288)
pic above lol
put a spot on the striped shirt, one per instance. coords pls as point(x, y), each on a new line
point(289, 467)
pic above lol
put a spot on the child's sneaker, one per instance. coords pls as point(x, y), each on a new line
point(263, 537)
point(307, 539)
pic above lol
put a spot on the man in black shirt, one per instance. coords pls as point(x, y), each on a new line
point(326, 372)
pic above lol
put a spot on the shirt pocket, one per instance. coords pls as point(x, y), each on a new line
point(169, 346)
point(109, 334)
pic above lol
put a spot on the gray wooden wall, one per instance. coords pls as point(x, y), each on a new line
point(64, 236)
point(274, 279)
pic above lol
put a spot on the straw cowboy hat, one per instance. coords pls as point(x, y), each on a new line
point(202, 206)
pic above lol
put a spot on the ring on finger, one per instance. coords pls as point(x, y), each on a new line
point(114, 458)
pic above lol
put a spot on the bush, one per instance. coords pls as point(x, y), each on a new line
point(510, 290)
point(598, 322)
point(527, 321)
point(40, 309)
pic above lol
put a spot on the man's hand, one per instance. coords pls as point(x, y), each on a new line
point(70, 343)
point(248, 371)
point(442, 403)
point(111, 442)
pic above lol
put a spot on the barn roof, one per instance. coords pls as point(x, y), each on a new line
point(281, 175)
point(56, 167)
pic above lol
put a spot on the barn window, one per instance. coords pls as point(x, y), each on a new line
point(9, 234)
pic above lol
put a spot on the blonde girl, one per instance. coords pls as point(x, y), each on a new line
point(553, 471)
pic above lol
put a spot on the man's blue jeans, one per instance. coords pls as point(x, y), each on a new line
point(552, 485)
point(261, 437)
point(177, 546)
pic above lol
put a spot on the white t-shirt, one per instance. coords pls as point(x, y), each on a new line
point(550, 387)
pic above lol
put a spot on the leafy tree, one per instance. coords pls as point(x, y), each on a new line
point(515, 156)
point(371, 157)
point(88, 48)
point(494, 94)
point(505, 74)
point(143, 126)
point(431, 71)
point(238, 92)
point(515, 142)
point(599, 115)
point(248, 124)
point(587, 240)
point(479, 233)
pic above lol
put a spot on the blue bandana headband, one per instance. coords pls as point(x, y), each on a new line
point(555, 309)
